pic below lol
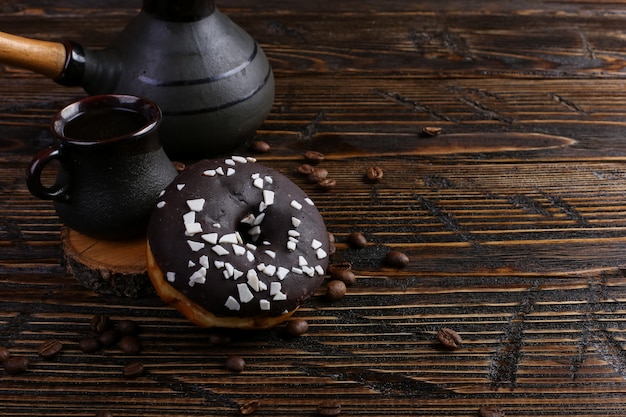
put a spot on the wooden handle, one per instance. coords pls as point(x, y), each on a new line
point(43, 57)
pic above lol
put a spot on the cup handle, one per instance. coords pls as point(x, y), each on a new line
point(57, 191)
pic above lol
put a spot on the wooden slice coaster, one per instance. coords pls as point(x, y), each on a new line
point(107, 267)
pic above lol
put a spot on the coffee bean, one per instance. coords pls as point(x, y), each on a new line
point(50, 348)
point(4, 354)
point(249, 407)
point(431, 131)
point(100, 322)
point(314, 157)
point(317, 175)
point(343, 272)
point(327, 184)
point(374, 174)
point(259, 146)
point(235, 363)
point(108, 337)
point(329, 408)
point(331, 237)
point(219, 339)
point(179, 166)
point(396, 259)
point(344, 275)
point(130, 345)
point(491, 411)
point(88, 344)
point(305, 169)
point(335, 290)
point(449, 338)
point(133, 370)
point(127, 327)
point(332, 249)
point(16, 365)
point(357, 240)
point(297, 327)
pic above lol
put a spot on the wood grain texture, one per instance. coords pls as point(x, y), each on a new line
point(513, 218)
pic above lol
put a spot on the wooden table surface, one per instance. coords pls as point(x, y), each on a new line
point(514, 218)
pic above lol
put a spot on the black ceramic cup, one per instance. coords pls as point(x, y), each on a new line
point(112, 165)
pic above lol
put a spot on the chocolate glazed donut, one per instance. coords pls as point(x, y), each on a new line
point(233, 243)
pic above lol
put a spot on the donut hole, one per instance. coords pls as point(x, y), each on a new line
point(250, 227)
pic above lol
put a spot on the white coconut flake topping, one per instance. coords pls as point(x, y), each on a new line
point(321, 253)
point(171, 276)
point(196, 204)
point(189, 217)
point(291, 245)
point(239, 250)
point(264, 304)
point(296, 221)
point(195, 246)
point(209, 173)
point(309, 201)
point(230, 172)
point(240, 159)
point(258, 183)
point(271, 254)
point(229, 238)
point(302, 261)
point(180, 186)
point(191, 264)
point(295, 205)
point(316, 244)
point(192, 228)
point(232, 304)
point(220, 250)
point(204, 261)
point(245, 295)
point(161, 204)
point(210, 238)
point(282, 272)
point(229, 162)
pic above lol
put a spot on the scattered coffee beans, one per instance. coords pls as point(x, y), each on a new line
point(327, 184)
point(329, 408)
point(130, 345)
point(259, 146)
point(4, 354)
point(374, 174)
point(179, 166)
point(343, 272)
point(49, 348)
point(314, 157)
point(219, 338)
point(249, 407)
point(431, 131)
point(16, 365)
point(88, 344)
point(335, 290)
point(396, 259)
point(297, 327)
point(108, 338)
point(235, 363)
point(317, 175)
point(133, 370)
point(100, 323)
point(449, 338)
point(127, 327)
point(305, 169)
point(490, 411)
point(357, 240)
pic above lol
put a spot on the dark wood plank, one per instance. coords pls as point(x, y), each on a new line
point(513, 217)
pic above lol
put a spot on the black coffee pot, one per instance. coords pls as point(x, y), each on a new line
point(211, 80)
